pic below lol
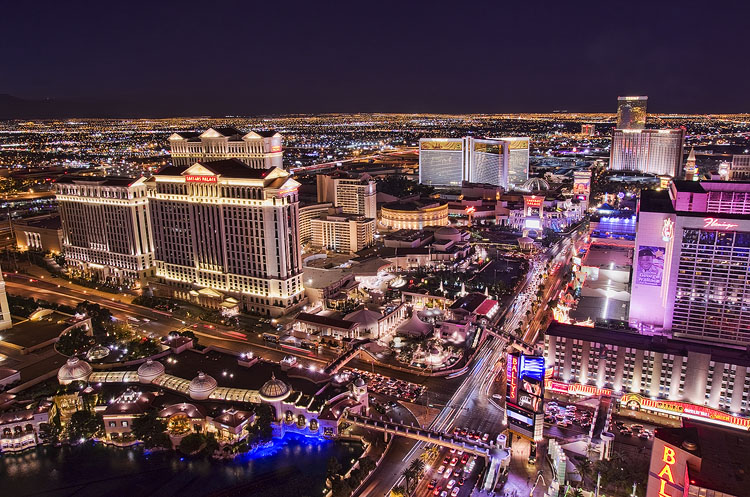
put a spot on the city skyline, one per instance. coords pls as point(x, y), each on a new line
point(130, 61)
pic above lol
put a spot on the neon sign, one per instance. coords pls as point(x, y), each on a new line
point(471, 210)
point(667, 230)
point(712, 222)
point(665, 475)
point(533, 201)
point(276, 148)
point(195, 178)
point(512, 378)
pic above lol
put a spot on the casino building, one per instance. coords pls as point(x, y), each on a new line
point(693, 261)
point(698, 461)
point(257, 149)
point(223, 230)
point(106, 227)
point(448, 162)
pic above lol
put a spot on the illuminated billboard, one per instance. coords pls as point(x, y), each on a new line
point(534, 224)
point(194, 178)
point(650, 268)
point(525, 394)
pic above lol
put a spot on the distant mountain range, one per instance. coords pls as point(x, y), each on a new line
point(12, 107)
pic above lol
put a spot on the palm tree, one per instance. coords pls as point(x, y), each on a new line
point(408, 474)
point(585, 468)
point(430, 454)
point(417, 466)
point(398, 491)
point(577, 492)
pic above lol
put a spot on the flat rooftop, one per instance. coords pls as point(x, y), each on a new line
point(26, 333)
point(609, 256)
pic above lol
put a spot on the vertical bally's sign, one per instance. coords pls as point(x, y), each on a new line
point(668, 473)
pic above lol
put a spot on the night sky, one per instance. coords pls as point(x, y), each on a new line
point(274, 57)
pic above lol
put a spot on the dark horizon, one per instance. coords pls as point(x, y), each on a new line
point(192, 59)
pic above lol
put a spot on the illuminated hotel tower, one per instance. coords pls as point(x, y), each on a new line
point(257, 149)
point(227, 233)
point(631, 112)
point(5, 320)
point(105, 225)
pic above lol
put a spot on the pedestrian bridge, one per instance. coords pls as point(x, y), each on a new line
point(341, 361)
point(423, 435)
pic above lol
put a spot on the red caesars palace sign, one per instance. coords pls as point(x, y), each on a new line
point(194, 178)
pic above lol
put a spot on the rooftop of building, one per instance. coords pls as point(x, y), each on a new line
point(666, 345)
point(321, 320)
point(341, 217)
point(469, 302)
point(606, 256)
point(724, 453)
point(120, 181)
point(232, 168)
point(52, 222)
point(27, 333)
point(227, 132)
point(406, 235)
point(414, 205)
point(660, 201)
point(315, 277)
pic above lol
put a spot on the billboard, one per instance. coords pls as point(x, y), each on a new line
point(525, 394)
point(650, 267)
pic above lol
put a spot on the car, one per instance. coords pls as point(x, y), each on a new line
point(448, 472)
point(549, 419)
point(463, 432)
point(643, 435)
point(437, 490)
point(625, 432)
point(465, 458)
point(444, 494)
point(455, 491)
point(461, 482)
point(453, 450)
point(564, 423)
point(457, 472)
point(432, 484)
point(454, 461)
point(636, 428)
point(441, 469)
point(450, 484)
point(446, 459)
point(456, 431)
point(485, 437)
point(497, 396)
point(572, 408)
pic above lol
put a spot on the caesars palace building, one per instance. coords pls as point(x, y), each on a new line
point(688, 350)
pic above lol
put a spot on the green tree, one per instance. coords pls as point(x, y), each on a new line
point(398, 491)
point(74, 341)
point(192, 443)
point(151, 430)
point(341, 488)
point(84, 425)
point(333, 469)
point(417, 467)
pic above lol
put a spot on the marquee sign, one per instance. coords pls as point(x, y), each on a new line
point(717, 224)
point(533, 200)
point(195, 178)
point(276, 148)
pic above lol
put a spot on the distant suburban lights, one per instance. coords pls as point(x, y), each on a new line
point(711, 222)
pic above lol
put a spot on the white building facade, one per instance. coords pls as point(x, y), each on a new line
point(257, 149)
point(106, 227)
point(448, 162)
point(222, 229)
point(353, 195)
point(654, 151)
point(343, 233)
